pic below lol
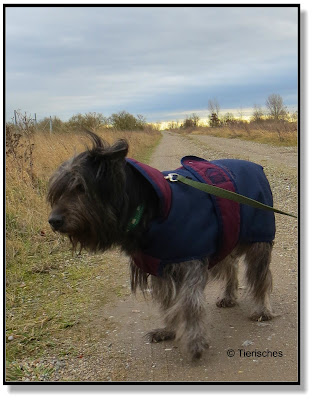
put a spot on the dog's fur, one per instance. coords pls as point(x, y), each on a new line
point(94, 195)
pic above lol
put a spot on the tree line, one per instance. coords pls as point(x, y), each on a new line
point(275, 110)
point(121, 121)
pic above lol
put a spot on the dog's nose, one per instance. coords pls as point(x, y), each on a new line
point(56, 221)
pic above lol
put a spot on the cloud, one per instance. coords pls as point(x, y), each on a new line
point(61, 61)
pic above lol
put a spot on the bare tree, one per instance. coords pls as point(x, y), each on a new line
point(240, 113)
point(191, 122)
point(275, 106)
point(214, 106)
point(195, 119)
point(228, 119)
point(257, 114)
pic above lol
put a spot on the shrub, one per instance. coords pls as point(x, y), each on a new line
point(91, 120)
point(124, 121)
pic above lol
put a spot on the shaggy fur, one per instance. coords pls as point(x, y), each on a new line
point(94, 195)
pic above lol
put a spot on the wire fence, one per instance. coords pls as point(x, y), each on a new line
point(32, 120)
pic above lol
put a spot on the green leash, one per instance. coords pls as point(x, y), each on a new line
point(225, 194)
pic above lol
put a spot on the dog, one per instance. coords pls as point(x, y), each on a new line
point(177, 237)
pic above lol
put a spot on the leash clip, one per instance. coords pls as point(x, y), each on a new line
point(172, 177)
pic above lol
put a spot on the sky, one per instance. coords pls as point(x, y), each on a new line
point(164, 63)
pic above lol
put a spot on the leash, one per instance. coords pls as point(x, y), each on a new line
point(225, 194)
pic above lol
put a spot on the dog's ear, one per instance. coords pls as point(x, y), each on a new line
point(101, 148)
point(119, 149)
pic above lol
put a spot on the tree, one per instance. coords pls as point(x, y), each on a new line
point(228, 119)
point(214, 120)
point(195, 119)
point(240, 113)
point(257, 114)
point(191, 121)
point(214, 106)
point(124, 121)
point(90, 120)
point(275, 106)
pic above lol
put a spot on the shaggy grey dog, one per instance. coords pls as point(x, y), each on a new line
point(100, 199)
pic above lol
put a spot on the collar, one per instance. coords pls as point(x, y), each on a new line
point(135, 220)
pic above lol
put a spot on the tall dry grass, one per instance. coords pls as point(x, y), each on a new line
point(277, 133)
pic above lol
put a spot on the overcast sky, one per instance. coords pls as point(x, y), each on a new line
point(163, 63)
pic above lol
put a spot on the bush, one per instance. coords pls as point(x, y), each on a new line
point(91, 120)
point(190, 122)
point(19, 144)
point(124, 121)
point(44, 125)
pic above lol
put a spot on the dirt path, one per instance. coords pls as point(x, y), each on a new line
point(123, 354)
point(263, 154)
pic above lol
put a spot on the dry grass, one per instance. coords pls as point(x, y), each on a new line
point(279, 133)
point(48, 288)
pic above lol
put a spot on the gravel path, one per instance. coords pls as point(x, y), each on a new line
point(123, 354)
point(263, 154)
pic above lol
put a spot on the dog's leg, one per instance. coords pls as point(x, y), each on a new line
point(181, 293)
point(227, 271)
point(259, 278)
point(161, 334)
point(163, 290)
point(192, 330)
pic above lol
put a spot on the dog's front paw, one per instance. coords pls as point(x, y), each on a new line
point(226, 302)
point(159, 335)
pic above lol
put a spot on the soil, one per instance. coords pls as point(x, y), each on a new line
point(240, 350)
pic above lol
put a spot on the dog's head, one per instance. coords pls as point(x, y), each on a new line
point(87, 192)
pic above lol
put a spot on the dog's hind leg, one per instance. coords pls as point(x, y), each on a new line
point(259, 278)
point(227, 271)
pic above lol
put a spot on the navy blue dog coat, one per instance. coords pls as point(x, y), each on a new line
point(195, 225)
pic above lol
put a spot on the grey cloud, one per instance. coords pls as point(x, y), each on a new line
point(119, 57)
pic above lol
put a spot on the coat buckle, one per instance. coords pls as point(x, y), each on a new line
point(172, 177)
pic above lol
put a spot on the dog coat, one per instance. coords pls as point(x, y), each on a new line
point(194, 225)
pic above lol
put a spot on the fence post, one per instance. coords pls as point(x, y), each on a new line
point(15, 120)
point(50, 124)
